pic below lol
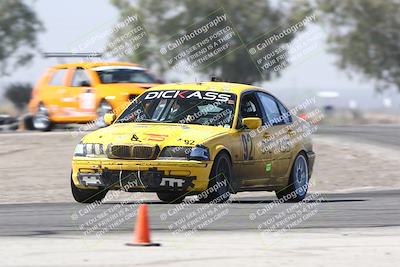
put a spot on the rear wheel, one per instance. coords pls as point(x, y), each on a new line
point(41, 120)
point(171, 197)
point(218, 185)
point(28, 122)
point(298, 182)
point(87, 195)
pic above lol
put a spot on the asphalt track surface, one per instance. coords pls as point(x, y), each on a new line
point(347, 210)
point(354, 210)
point(380, 134)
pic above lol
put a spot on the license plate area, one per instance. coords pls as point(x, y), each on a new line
point(133, 178)
point(91, 179)
point(151, 180)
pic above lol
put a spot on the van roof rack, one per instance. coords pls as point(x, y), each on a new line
point(72, 55)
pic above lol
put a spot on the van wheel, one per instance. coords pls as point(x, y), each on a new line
point(28, 122)
point(41, 120)
point(102, 110)
point(298, 182)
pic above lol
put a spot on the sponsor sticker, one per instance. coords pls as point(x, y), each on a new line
point(202, 95)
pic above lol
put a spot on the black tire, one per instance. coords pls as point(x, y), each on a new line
point(41, 120)
point(220, 178)
point(296, 191)
point(87, 195)
point(28, 124)
point(171, 197)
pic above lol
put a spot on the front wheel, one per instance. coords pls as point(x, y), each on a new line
point(171, 197)
point(41, 120)
point(218, 185)
point(298, 182)
point(87, 195)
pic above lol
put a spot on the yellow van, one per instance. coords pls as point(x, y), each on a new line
point(84, 92)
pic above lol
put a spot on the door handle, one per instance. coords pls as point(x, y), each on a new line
point(291, 132)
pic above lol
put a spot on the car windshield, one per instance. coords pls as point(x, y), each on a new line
point(124, 75)
point(182, 106)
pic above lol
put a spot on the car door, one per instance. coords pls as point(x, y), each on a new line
point(251, 163)
point(55, 92)
point(81, 99)
point(276, 136)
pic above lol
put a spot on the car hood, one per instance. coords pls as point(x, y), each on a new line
point(162, 134)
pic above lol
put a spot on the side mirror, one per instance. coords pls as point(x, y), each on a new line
point(252, 122)
point(109, 118)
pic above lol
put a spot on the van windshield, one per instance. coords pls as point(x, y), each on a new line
point(124, 75)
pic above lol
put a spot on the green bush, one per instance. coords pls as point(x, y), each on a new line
point(19, 94)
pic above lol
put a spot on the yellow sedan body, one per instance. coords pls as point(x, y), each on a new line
point(185, 139)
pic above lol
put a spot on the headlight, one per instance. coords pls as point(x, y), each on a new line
point(89, 150)
point(175, 152)
point(79, 150)
point(199, 153)
point(185, 153)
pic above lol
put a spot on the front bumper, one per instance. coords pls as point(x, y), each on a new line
point(139, 176)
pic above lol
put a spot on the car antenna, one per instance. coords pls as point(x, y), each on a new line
point(195, 80)
point(216, 79)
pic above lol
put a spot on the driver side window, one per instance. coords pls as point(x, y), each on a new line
point(274, 114)
point(249, 107)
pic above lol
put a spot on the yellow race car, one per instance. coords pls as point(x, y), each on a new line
point(207, 139)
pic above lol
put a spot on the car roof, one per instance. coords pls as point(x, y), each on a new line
point(89, 65)
point(235, 88)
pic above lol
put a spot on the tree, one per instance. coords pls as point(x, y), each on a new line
point(365, 35)
point(19, 94)
point(19, 27)
point(164, 19)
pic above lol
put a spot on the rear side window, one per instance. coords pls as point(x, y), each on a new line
point(285, 114)
point(80, 78)
point(271, 108)
point(58, 77)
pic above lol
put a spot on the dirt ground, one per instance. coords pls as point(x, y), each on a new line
point(35, 167)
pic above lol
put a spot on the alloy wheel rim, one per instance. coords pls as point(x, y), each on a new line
point(41, 119)
point(301, 173)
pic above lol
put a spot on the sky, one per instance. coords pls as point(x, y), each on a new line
point(68, 22)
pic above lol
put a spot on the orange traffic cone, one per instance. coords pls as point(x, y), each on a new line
point(142, 231)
